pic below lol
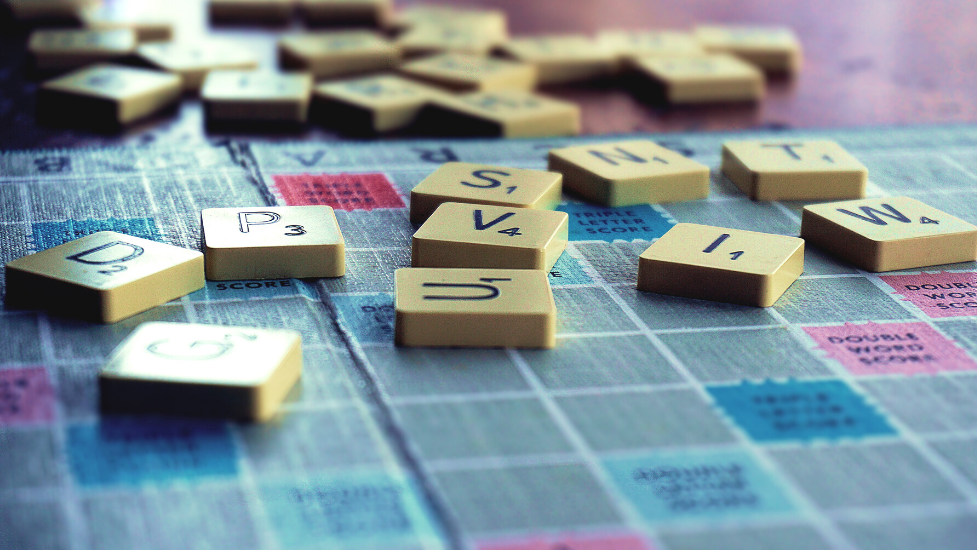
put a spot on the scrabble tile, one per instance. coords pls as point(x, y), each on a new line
point(105, 276)
point(253, 11)
point(885, 234)
point(373, 104)
point(149, 21)
point(482, 21)
point(347, 12)
point(68, 49)
point(272, 243)
point(108, 94)
point(774, 49)
point(478, 235)
point(193, 60)
point(629, 45)
point(329, 54)
point(721, 264)
point(49, 9)
point(505, 113)
point(485, 184)
point(201, 370)
point(703, 78)
point(463, 72)
point(630, 172)
point(478, 308)
point(794, 170)
point(448, 36)
point(256, 96)
point(563, 59)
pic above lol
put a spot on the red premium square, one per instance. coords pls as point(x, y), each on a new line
point(26, 396)
point(340, 191)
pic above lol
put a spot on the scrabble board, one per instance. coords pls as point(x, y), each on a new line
point(845, 416)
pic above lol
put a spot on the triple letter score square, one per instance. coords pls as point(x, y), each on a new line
point(630, 172)
point(794, 170)
point(272, 243)
point(485, 184)
point(475, 235)
point(104, 277)
point(201, 370)
point(474, 308)
point(885, 234)
point(721, 264)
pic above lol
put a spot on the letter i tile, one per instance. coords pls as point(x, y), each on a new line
point(474, 308)
point(105, 276)
point(721, 264)
point(272, 242)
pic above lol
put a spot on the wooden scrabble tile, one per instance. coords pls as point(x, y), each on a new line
point(328, 54)
point(448, 36)
point(149, 21)
point(562, 59)
point(105, 276)
point(373, 104)
point(630, 172)
point(478, 235)
point(193, 60)
point(49, 9)
point(485, 184)
point(255, 11)
point(272, 242)
point(474, 308)
point(463, 72)
point(794, 170)
point(885, 234)
point(108, 94)
point(256, 96)
point(68, 49)
point(773, 49)
point(703, 78)
point(721, 264)
point(629, 45)
point(505, 113)
point(347, 12)
point(482, 21)
point(201, 370)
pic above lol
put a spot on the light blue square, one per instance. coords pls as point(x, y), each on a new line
point(370, 317)
point(800, 410)
point(626, 223)
point(355, 510)
point(136, 451)
point(568, 271)
point(706, 485)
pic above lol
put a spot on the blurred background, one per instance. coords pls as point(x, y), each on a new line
point(866, 62)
